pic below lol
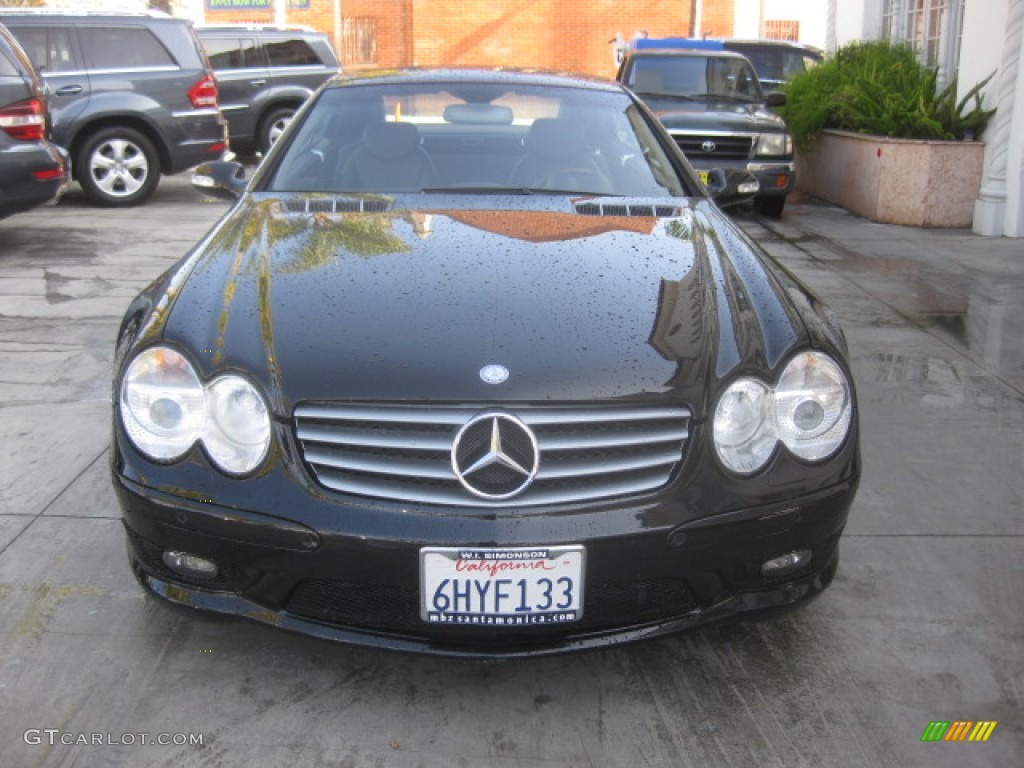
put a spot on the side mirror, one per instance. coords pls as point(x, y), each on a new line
point(775, 99)
point(222, 178)
point(729, 186)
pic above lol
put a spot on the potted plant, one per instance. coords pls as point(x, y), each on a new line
point(875, 134)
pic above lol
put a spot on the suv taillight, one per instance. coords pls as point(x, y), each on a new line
point(24, 120)
point(203, 93)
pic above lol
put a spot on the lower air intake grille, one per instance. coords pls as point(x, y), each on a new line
point(397, 609)
point(404, 453)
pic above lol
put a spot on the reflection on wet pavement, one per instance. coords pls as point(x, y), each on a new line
point(966, 290)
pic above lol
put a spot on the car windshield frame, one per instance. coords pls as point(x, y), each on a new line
point(476, 137)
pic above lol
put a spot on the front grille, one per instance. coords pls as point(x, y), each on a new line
point(404, 453)
point(725, 147)
point(397, 609)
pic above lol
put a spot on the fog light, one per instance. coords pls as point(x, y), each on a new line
point(779, 566)
point(190, 565)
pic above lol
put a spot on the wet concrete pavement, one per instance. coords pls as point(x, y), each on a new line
point(924, 622)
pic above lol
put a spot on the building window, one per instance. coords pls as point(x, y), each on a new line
point(782, 30)
point(931, 27)
point(359, 40)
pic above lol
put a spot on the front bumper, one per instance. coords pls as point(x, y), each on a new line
point(364, 589)
point(776, 179)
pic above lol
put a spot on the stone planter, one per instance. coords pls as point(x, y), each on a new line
point(913, 182)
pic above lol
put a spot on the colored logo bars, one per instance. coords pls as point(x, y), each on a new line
point(958, 730)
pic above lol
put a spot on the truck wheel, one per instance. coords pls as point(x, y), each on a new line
point(770, 206)
point(118, 167)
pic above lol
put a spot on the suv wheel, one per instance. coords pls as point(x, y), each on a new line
point(118, 166)
point(273, 125)
point(770, 206)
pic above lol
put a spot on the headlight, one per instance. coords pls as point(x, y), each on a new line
point(237, 429)
point(744, 429)
point(809, 411)
point(162, 404)
point(813, 407)
point(775, 144)
point(165, 410)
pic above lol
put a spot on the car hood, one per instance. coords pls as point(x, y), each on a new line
point(715, 116)
point(411, 303)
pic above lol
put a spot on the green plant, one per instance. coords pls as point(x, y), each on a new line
point(881, 89)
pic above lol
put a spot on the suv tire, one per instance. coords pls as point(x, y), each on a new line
point(770, 206)
point(118, 167)
point(272, 125)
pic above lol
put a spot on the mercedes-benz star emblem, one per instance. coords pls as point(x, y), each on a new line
point(708, 146)
point(494, 374)
point(495, 456)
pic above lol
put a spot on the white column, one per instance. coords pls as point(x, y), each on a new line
point(830, 27)
point(1000, 197)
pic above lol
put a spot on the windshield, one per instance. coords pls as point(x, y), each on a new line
point(480, 138)
point(694, 77)
point(777, 64)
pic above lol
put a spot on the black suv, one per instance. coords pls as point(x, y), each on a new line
point(775, 61)
point(712, 104)
point(32, 169)
point(264, 75)
point(132, 96)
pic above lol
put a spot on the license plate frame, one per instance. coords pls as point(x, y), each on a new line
point(502, 586)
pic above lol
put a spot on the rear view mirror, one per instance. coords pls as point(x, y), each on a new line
point(222, 178)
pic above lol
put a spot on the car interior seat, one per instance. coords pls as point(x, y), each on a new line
point(389, 158)
point(558, 158)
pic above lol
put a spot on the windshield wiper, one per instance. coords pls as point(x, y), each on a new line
point(516, 191)
point(576, 192)
point(470, 190)
point(670, 96)
point(723, 97)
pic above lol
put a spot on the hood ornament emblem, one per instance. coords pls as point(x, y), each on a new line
point(494, 374)
point(495, 456)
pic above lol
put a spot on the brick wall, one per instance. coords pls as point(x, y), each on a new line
point(717, 18)
point(568, 35)
point(564, 35)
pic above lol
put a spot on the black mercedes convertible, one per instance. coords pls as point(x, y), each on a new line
point(476, 365)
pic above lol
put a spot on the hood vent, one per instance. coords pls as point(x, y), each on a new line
point(627, 209)
point(336, 205)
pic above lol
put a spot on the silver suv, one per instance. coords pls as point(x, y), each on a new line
point(131, 97)
point(265, 74)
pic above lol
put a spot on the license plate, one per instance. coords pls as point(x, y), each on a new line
point(704, 176)
point(510, 587)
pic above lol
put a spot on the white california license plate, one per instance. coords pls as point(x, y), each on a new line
point(509, 587)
